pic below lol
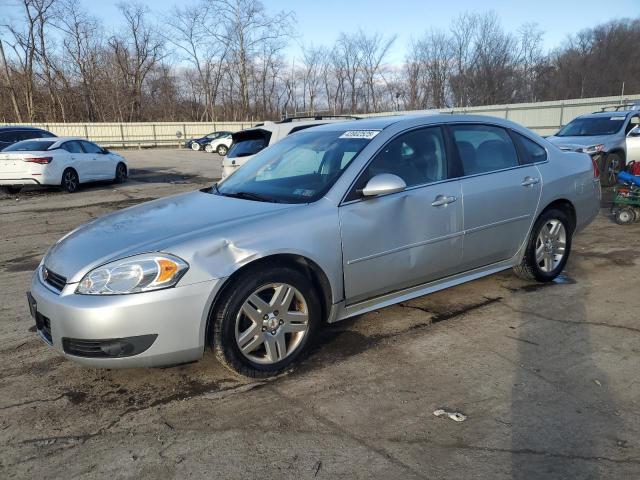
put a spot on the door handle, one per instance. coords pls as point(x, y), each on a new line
point(528, 181)
point(442, 200)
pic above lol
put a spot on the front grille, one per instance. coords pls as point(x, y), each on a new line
point(56, 281)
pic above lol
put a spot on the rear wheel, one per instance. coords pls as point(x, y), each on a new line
point(11, 189)
point(195, 146)
point(70, 180)
point(265, 321)
point(121, 173)
point(613, 164)
point(222, 150)
point(548, 247)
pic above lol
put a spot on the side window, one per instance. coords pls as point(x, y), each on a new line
point(417, 157)
point(633, 122)
point(484, 148)
point(534, 153)
point(91, 147)
point(28, 134)
point(72, 147)
point(9, 137)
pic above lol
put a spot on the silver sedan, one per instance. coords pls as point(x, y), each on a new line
point(329, 223)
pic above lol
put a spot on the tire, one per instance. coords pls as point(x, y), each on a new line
point(121, 173)
point(613, 164)
point(11, 189)
point(625, 216)
point(208, 148)
point(222, 150)
point(547, 254)
point(195, 146)
point(70, 181)
point(277, 341)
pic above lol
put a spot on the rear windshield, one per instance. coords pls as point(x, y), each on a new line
point(588, 127)
point(29, 146)
point(248, 143)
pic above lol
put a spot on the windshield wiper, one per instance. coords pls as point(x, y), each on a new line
point(248, 196)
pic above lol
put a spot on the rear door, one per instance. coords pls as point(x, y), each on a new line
point(76, 159)
point(500, 192)
point(407, 238)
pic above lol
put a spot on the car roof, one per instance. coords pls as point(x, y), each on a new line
point(20, 127)
point(610, 113)
point(55, 139)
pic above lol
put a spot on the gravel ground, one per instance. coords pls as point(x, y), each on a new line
point(547, 375)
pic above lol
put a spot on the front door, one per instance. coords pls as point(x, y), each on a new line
point(500, 192)
point(408, 238)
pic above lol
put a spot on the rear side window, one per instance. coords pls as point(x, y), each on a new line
point(533, 153)
point(9, 137)
point(72, 147)
point(91, 147)
point(29, 146)
point(484, 148)
point(29, 134)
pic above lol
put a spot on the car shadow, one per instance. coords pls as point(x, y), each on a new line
point(561, 411)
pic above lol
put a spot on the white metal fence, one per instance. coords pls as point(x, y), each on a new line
point(543, 117)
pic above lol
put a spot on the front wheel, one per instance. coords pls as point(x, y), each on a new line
point(222, 150)
point(121, 173)
point(265, 320)
point(548, 247)
point(208, 148)
point(70, 180)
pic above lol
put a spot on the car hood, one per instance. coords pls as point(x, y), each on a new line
point(151, 226)
point(577, 143)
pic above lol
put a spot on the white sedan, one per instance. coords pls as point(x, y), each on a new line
point(63, 161)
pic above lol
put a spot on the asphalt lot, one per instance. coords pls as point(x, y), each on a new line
point(547, 375)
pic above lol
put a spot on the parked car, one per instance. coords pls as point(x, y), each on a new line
point(196, 144)
point(324, 225)
point(633, 145)
point(603, 136)
point(247, 143)
point(220, 145)
point(12, 134)
point(63, 161)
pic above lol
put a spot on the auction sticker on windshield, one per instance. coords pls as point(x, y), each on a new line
point(365, 134)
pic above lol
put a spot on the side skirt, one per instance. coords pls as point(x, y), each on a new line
point(341, 311)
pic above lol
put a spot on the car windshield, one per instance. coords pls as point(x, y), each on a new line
point(29, 146)
point(299, 169)
point(592, 126)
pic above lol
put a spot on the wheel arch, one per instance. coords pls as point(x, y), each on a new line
point(301, 263)
point(564, 205)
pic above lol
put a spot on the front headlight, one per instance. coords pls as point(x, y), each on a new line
point(141, 273)
point(593, 149)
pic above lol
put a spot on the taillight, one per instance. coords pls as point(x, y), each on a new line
point(596, 169)
point(39, 160)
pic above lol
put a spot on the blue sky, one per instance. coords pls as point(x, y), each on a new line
point(321, 21)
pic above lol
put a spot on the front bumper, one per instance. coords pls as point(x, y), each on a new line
point(178, 316)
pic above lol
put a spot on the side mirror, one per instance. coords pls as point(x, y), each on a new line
point(383, 184)
point(105, 151)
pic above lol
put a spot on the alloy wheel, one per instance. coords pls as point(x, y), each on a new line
point(551, 245)
point(70, 181)
point(272, 323)
point(195, 146)
point(222, 150)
